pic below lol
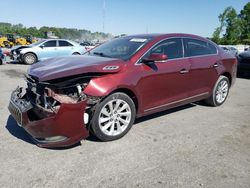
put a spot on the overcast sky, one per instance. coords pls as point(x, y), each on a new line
point(121, 16)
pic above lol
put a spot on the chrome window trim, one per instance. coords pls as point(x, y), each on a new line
point(174, 102)
point(183, 49)
point(201, 41)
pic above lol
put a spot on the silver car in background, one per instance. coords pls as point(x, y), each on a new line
point(230, 49)
point(46, 49)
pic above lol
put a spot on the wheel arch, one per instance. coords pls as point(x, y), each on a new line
point(29, 52)
point(130, 93)
point(229, 76)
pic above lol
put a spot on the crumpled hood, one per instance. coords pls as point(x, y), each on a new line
point(54, 68)
point(19, 47)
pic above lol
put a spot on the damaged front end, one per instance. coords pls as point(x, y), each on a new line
point(55, 113)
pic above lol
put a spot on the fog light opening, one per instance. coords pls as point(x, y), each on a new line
point(86, 118)
point(52, 139)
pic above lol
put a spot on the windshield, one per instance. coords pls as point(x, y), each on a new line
point(121, 48)
point(37, 43)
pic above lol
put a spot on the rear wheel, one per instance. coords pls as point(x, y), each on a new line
point(29, 58)
point(113, 117)
point(220, 92)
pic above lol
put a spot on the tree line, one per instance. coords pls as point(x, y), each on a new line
point(234, 28)
point(66, 33)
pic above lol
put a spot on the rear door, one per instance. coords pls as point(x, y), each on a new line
point(65, 48)
point(166, 82)
point(204, 61)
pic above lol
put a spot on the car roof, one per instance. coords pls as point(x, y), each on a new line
point(55, 39)
point(160, 35)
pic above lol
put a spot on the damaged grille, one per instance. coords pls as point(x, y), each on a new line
point(35, 91)
point(16, 113)
point(51, 94)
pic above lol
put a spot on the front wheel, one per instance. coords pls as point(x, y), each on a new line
point(29, 58)
point(113, 117)
point(220, 92)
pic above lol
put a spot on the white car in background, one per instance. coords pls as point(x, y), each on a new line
point(230, 49)
point(46, 49)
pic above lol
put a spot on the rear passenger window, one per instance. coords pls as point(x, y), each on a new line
point(212, 48)
point(194, 47)
point(171, 47)
point(64, 43)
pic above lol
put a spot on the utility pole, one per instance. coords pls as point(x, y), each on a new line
point(103, 15)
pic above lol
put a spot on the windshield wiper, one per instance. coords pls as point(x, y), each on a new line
point(101, 54)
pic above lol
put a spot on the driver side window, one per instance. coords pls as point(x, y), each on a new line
point(51, 43)
point(170, 47)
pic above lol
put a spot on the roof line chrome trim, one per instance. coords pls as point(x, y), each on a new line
point(174, 102)
point(217, 51)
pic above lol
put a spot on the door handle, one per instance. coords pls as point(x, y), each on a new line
point(183, 71)
point(216, 65)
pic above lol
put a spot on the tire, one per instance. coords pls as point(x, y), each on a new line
point(29, 58)
point(76, 53)
point(107, 125)
point(220, 92)
point(1, 61)
point(6, 45)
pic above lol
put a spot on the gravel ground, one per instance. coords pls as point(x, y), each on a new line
point(190, 146)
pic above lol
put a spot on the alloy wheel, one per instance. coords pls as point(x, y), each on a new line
point(30, 59)
point(115, 117)
point(222, 91)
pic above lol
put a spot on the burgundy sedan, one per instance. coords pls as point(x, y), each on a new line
point(103, 91)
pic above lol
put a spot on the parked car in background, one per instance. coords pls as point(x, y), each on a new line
point(230, 49)
point(88, 46)
point(104, 90)
point(85, 43)
point(46, 49)
point(244, 62)
point(1, 56)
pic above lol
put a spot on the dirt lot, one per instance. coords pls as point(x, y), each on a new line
point(191, 146)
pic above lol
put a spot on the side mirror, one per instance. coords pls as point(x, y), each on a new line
point(156, 57)
point(42, 46)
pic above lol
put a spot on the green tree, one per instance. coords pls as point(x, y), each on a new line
point(67, 33)
point(218, 31)
point(232, 23)
point(245, 24)
point(234, 28)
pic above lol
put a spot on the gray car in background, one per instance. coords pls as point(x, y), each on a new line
point(230, 49)
point(46, 49)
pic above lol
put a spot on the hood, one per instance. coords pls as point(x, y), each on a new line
point(54, 68)
point(19, 47)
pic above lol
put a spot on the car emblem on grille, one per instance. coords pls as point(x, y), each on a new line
point(110, 67)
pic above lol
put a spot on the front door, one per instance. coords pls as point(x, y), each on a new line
point(166, 82)
point(48, 49)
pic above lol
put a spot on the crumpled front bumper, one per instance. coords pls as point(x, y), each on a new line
point(60, 129)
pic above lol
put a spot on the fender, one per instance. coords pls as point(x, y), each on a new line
point(103, 86)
